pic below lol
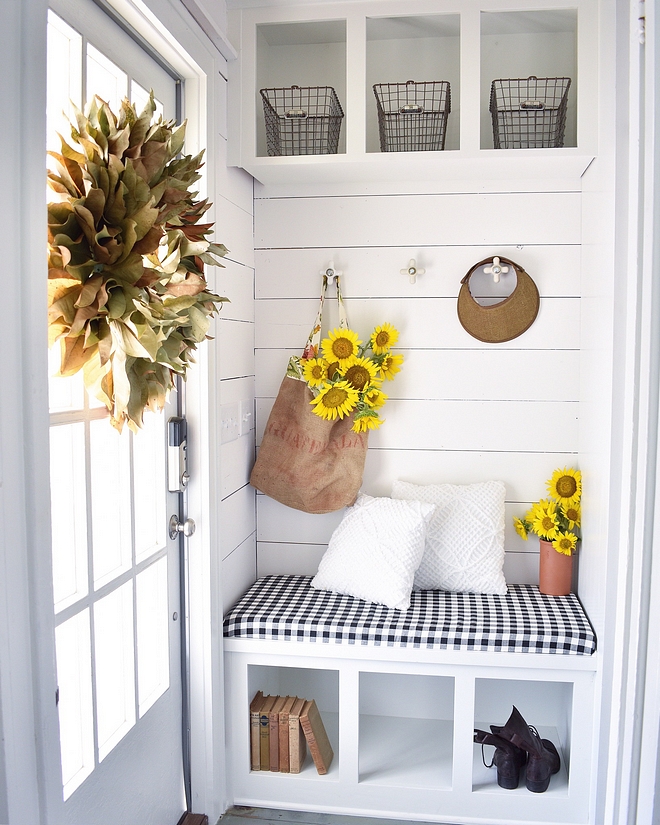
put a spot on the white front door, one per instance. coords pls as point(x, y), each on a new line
point(116, 576)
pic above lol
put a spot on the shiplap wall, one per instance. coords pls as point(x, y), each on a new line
point(234, 331)
point(460, 411)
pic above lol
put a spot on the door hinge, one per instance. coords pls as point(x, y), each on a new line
point(641, 22)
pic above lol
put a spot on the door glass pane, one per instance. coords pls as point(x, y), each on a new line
point(114, 667)
point(74, 679)
point(105, 79)
point(64, 78)
point(149, 486)
point(140, 96)
point(152, 634)
point(93, 402)
point(111, 501)
point(64, 394)
point(68, 501)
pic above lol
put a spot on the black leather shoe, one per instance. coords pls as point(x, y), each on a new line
point(508, 758)
point(542, 757)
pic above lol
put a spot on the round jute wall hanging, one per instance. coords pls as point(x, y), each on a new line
point(505, 320)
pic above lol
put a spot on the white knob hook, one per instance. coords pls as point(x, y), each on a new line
point(330, 272)
point(412, 271)
point(496, 269)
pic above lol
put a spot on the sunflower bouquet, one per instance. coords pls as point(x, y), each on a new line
point(345, 375)
point(557, 518)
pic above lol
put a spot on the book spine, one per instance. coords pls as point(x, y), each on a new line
point(284, 742)
point(255, 742)
point(264, 741)
point(274, 743)
point(317, 756)
point(296, 745)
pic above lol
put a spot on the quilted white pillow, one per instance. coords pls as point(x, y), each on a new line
point(464, 549)
point(375, 550)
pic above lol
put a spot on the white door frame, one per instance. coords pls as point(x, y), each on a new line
point(629, 793)
point(29, 761)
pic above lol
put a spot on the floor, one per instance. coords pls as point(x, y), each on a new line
point(270, 816)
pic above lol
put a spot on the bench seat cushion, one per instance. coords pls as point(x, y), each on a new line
point(287, 608)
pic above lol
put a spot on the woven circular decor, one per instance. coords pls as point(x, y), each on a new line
point(505, 320)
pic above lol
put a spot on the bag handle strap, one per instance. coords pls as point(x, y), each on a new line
point(314, 340)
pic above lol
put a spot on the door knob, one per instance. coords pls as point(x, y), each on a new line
point(186, 527)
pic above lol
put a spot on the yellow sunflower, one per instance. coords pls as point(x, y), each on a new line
point(335, 401)
point(390, 366)
point(341, 345)
point(573, 514)
point(565, 543)
point(361, 373)
point(544, 519)
point(314, 371)
point(566, 486)
point(333, 370)
point(383, 338)
point(519, 524)
point(375, 398)
point(366, 421)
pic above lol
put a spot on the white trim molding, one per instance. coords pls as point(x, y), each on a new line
point(22, 406)
point(629, 794)
point(214, 33)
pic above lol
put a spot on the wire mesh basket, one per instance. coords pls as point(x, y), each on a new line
point(529, 113)
point(412, 117)
point(302, 120)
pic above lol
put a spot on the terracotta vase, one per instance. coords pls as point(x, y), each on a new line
point(555, 571)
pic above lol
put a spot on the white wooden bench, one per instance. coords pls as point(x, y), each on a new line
point(401, 693)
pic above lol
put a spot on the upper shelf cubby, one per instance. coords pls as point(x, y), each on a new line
point(306, 54)
point(516, 46)
point(415, 51)
point(424, 49)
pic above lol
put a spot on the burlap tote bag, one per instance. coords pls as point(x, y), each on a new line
point(304, 461)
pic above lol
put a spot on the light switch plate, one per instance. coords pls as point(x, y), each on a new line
point(229, 422)
point(247, 416)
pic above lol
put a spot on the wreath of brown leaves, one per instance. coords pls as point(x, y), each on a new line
point(128, 300)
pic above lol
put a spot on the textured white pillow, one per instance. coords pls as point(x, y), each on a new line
point(375, 550)
point(465, 541)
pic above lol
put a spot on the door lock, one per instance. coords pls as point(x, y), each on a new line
point(186, 527)
point(177, 455)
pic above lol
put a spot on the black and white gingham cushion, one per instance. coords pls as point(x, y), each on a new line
point(524, 621)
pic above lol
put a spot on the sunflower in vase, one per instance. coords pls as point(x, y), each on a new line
point(346, 375)
point(556, 519)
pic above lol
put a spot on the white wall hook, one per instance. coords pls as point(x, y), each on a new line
point(496, 269)
point(412, 271)
point(330, 272)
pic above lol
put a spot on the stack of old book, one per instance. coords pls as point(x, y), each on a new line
point(281, 727)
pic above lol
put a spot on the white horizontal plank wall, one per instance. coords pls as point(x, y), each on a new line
point(460, 411)
point(235, 364)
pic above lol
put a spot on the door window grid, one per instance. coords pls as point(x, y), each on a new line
point(129, 633)
point(109, 542)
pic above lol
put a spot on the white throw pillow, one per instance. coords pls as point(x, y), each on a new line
point(465, 541)
point(375, 550)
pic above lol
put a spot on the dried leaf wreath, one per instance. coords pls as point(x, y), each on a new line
point(128, 300)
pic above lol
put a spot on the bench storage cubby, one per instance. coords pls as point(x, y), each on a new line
point(400, 714)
